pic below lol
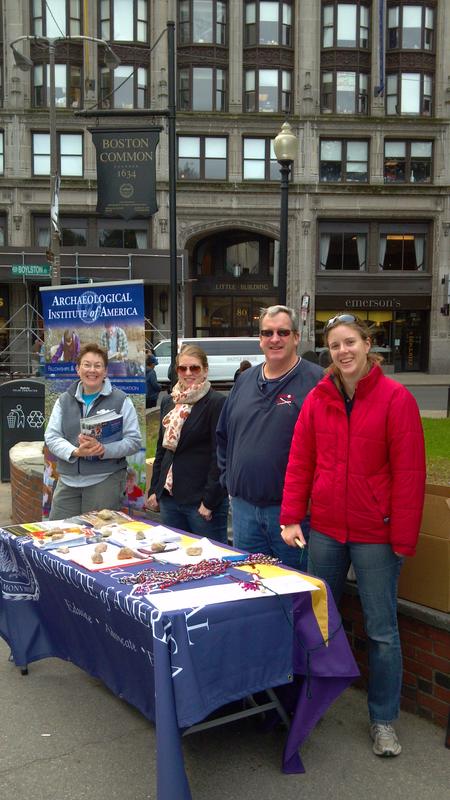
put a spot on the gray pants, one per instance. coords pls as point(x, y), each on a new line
point(70, 501)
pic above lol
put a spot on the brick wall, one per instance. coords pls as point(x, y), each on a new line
point(26, 494)
point(426, 661)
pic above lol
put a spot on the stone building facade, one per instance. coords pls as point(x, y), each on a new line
point(365, 87)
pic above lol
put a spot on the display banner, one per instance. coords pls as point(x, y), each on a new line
point(126, 176)
point(110, 315)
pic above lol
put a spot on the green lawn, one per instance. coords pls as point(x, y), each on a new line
point(437, 442)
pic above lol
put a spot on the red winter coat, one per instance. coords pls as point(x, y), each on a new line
point(364, 474)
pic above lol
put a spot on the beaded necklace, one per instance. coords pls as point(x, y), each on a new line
point(150, 579)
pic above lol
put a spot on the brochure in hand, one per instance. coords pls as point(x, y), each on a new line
point(105, 426)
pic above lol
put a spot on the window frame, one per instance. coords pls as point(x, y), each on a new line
point(344, 161)
point(398, 94)
point(218, 26)
point(285, 31)
point(267, 162)
point(105, 224)
point(359, 27)
point(60, 154)
point(284, 96)
point(202, 158)
point(73, 25)
point(70, 85)
point(405, 230)
point(343, 229)
point(408, 160)
point(2, 152)
point(216, 91)
point(399, 28)
point(106, 24)
point(107, 90)
point(359, 96)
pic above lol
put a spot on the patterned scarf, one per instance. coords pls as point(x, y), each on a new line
point(184, 399)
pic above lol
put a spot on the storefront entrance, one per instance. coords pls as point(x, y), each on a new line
point(399, 336)
point(229, 316)
point(410, 353)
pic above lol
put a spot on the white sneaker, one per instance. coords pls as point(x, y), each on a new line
point(385, 741)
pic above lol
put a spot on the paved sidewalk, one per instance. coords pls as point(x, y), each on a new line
point(64, 736)
point(420, 379)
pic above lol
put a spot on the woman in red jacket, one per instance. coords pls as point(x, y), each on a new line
point(358, 456)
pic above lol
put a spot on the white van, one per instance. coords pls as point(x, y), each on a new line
point(224, 356)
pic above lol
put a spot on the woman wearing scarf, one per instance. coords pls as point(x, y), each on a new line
point(185, 482)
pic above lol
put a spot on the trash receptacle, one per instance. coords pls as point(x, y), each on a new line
point(22, 415)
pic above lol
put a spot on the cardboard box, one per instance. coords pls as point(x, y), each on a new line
point(425, 579)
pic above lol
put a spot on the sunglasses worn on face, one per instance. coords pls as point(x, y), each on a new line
point(340, 318)
point(195, 369)
point(267, 333)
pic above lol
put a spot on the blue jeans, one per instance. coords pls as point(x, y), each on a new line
point(257, 529)
point(377, 569)
point(186, 517)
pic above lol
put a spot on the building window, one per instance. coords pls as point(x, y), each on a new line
point(259, 160)
point(345, 92)
point(268, 23)
point(344, 161)
point(402, 249)
point(70, 154)
point(202, 22)
point(268, 90)
point(409, 93)
point(67, 86)
point(410, 27)
point(124, 21)
point(407, 162)
point(55, 18)
point(345, 25)
point(202, 89)
point(73, 232)
point(202, 158)
point(124, 87)
point(2, 231)
point(343, 249)
point(115, 233)
point(2, 153)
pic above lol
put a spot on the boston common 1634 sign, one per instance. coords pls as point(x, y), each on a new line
point(126, 175)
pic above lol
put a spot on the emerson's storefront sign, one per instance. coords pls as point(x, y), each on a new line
point(126, 176)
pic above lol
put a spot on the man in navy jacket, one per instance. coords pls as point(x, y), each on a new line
point(254, 435)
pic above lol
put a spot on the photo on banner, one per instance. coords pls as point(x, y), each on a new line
point(110, 315)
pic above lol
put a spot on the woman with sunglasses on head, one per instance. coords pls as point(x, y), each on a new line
point(358, 455)
point(185, 482)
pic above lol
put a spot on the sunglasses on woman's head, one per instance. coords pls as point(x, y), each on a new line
point(341, 318)
point(195, 369)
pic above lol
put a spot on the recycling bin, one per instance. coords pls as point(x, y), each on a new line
point(22, 413)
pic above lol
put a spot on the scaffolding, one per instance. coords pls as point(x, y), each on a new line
point(22, 339)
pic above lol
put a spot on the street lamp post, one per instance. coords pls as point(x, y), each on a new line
point(285, 148)
point(25, 63)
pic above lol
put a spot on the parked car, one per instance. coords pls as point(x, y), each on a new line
point(224, 356)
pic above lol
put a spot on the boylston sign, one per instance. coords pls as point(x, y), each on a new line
point(126, 174)
point(36, 270)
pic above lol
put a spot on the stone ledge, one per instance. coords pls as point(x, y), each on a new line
point(28, 457)
point(431, 616)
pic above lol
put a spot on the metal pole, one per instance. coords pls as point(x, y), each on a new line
point(172, 197)
point(285, 168)
point(55, 246)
